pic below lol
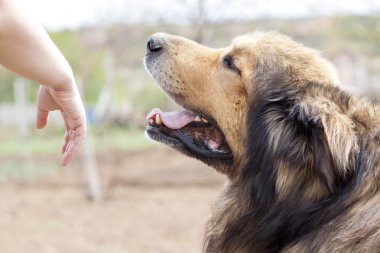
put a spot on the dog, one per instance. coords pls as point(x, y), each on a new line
point(301, 155)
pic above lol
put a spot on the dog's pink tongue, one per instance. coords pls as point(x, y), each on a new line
point(177, 120)
point(173, 120)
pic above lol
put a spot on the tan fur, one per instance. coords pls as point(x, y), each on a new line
point(194, 76)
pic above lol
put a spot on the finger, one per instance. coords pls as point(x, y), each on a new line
point(65, 142)
point(42, 116)
point(76, 139)
point(67, 155)
point(65, 119)
point(66, 139)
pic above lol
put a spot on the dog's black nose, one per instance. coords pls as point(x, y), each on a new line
point(154, 45)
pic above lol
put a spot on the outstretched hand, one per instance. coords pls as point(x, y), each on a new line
point(68, 101)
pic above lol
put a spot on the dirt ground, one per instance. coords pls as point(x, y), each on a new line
point(155, 201)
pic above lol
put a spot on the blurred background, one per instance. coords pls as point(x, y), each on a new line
point(124, 193)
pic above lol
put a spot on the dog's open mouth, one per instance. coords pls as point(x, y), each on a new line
point(194, 133)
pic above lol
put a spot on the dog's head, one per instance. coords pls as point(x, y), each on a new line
point(218, 89)
point(267, 112)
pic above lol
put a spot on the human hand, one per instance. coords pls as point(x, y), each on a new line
point(68, 101)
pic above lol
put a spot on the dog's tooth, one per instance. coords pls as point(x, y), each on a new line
point(204, 120)
point(197, 119)
point(158, 119)
point(151, 121)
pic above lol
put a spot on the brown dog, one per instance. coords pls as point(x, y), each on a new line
point(301, 155)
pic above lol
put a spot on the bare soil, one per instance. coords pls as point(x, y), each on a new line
point(155, 201)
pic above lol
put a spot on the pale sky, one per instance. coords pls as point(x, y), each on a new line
point(57, 14)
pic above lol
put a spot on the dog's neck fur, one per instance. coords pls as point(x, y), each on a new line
point(281, 197)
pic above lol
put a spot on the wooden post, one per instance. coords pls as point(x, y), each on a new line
point(91, 170)
point(89, 162)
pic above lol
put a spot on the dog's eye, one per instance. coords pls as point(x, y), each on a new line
point(229, 63)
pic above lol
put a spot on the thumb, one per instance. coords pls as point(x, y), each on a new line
point(42, 116)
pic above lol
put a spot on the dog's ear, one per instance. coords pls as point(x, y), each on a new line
point(306, 131)
point(341, 137)
point(337, 127)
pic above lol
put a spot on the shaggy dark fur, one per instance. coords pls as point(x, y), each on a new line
point(268, 223)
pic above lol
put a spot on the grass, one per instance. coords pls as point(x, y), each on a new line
point(27, 168)
point(103, 138)
point(119, 139)
point(38, 154)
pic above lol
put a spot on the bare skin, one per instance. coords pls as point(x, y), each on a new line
point(26, 49)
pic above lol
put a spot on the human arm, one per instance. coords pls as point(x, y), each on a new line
point(26, 49)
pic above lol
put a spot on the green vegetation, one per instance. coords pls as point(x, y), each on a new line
point(102, 138)
point(39, 154)
point(119, 139)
